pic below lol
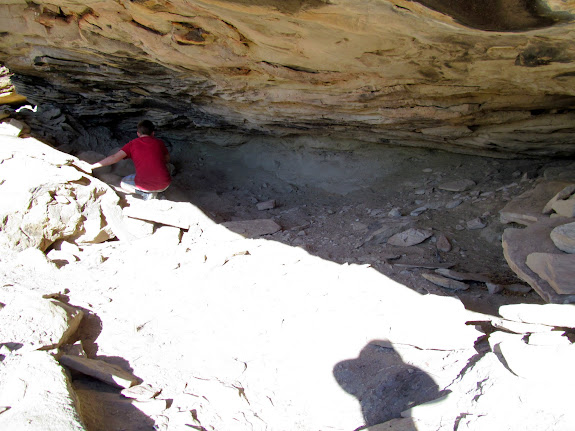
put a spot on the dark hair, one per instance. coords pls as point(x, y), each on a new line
point(146, 127)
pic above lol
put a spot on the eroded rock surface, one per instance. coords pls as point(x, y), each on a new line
point(495, 77)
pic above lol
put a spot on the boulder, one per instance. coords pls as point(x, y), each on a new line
point(13, 127)
point(54, 200)
point(38, 395)
point(38, 323)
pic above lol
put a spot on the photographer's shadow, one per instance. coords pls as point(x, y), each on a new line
point(384, 385)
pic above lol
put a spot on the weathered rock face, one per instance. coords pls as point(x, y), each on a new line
point(490, 76)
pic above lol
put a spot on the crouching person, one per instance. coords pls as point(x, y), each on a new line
point(150, 157)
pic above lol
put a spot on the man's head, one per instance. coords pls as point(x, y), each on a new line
point(146, 128)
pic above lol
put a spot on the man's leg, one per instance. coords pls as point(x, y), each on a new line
point(128, 184)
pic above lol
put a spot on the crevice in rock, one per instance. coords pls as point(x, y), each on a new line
point(496, 15)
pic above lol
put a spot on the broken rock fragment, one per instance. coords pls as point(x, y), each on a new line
point(476, 223)
point(443, 243)
point(565, 193)
point(409, 237)
point(462, 276)
point(253, 228)
point(100, 370)
point(528, 207)
point(542, 363)
point(518, 244)
point(556, 269)
point(565, 208)
point(457, 186)
point(38, 323)
point(564, 237)
point(448, 283)
point(267, 205)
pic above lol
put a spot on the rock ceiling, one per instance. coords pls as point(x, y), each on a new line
point(489, 77)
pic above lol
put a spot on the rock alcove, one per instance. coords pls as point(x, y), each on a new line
point(406, 158)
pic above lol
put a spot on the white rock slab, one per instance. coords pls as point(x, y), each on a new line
point(550, 338)
point(446, 328)
point(519, 327)
point(177, 214)
point(561, 315)
point(540, 363)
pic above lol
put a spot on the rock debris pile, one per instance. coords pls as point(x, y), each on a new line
point(542, 253)
point(118, 313)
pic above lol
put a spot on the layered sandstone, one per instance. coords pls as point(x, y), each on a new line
point(490, 77)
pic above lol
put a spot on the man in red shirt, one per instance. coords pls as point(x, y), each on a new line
point(150, 157)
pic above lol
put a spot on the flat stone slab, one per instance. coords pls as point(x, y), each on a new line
point(253, 228)
point(556, 269)
point(177, 214)
point(528, 207)
point(462, 276)
point(539, 363)
point(457, 186)
point(565, 208)
point(560, 315)
point(520, 327)
point(107, 373)
point(520, 243)
point(448, 283)
point(409, 237)
point(565, 193)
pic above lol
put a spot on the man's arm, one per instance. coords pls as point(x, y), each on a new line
point(110, 160)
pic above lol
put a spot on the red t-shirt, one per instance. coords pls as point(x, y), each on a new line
point(149, 156)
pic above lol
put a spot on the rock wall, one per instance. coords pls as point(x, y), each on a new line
point(489, 78)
